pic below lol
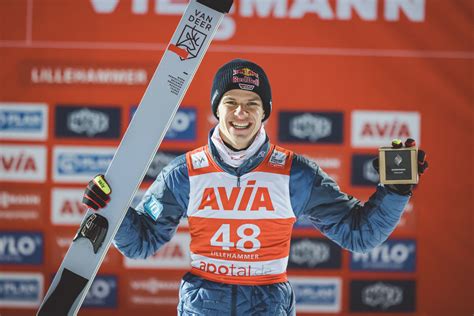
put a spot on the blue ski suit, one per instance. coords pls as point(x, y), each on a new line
point(314, 195)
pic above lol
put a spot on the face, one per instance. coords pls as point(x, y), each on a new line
point(240, 114)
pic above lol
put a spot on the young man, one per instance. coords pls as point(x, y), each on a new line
point(241, 195)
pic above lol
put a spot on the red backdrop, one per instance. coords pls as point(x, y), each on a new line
point(391, 59)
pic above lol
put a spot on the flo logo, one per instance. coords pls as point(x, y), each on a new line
point(103, 292)
point(382, 296)
point(21, 248)
point(28, 121)
point(20, 290)
point(317, 294)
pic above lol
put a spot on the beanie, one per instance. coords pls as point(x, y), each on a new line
point(245, 75)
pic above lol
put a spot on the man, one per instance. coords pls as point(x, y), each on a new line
point(242, 195)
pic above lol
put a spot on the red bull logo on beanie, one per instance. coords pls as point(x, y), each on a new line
point(245, 76)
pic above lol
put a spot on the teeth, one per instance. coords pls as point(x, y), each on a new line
point(237, 125)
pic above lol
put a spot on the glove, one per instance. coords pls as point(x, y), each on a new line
point(97, 193)
point(404, 189)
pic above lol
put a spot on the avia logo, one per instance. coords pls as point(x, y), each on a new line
point(22, 162)
point(391, 130)
point(378, 128)
point(382, 295)
point(218, 198)
point(86, 121)
point(73, 208)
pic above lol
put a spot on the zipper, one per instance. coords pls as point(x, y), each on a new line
point(238, 181)
point(233, 311)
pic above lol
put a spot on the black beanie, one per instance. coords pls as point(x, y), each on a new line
point(245, 75)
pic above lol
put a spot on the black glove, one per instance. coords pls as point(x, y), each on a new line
point(404, 189)
point(97, 193)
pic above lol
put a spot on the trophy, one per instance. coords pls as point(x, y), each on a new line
point(398, 165)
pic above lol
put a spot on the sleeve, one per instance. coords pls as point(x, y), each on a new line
point(353, 225)
point(155, 220)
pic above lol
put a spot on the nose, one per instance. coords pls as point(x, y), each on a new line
point(240, 110)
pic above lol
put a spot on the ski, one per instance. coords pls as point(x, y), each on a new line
point(137, 148)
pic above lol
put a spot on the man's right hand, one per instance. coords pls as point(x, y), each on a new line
point(97, 193)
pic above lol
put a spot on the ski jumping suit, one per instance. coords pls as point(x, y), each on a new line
point(240, 222)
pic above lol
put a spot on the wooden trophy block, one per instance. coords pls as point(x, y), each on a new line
point(398, 165)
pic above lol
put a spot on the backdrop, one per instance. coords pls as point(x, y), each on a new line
point(347, 77)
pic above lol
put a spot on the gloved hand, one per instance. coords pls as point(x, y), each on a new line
point(97, 193)
point(405, 189)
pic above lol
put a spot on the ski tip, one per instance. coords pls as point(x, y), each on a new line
point(220, 5)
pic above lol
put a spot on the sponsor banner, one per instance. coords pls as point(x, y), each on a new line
point(393, 255)
point(183, 127)
point(408, 220)
point(311, 127)
point(60, 242)
point(20, 247)
point(21, 290)
point(382, 296)
point(317, 294)
point(22, 205)
point(80, 164)
point(378, 128)
point(138, 197)
point(23, 121)
point(152, 289)
point(23, 163)
point(161, 160)
point(173, 255)
point(73, 121)
point(67, 74)
point(314, 253)
point(67, 207)
point(363, 173)
point(103, 292)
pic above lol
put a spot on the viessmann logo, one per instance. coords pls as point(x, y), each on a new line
point(25, 121)
point(20, 204)
point(378, 128)
point(23, 163)
point(20, 290)
point(80, 164)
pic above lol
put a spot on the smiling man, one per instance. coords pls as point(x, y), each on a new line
point(242, 195)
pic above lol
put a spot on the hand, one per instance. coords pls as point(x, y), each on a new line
point(97, 193)
point(405, 189)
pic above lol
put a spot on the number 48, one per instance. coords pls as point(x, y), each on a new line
point(224, 233)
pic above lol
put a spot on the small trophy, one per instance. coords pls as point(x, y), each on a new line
point(398, 165)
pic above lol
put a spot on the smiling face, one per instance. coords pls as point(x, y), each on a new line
point(240, 114)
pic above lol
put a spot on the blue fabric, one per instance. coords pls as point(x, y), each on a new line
point(356, 226)
point(202, 297)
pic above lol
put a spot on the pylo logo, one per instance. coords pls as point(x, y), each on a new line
point(383, 295)
point(100, 289)
point(310, 126)
point(21, 248)
point(309, 252)
point(223, 201)
point(397, 253)
point(86, 121)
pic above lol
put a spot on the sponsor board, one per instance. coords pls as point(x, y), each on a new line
point(21, 247)
point(21, 289)
point(23, 121)
point(91, 75)
point(378, 128)
point(161, 160)
point(311, 127)
point(103, 292)
point(363, 173)
point(73, 121)
point(408, 220)
point(393, 255)
point(21, 204)
point(382, 296)
point(183, 127)
point(313, 294)
point(314, 253)
point(67, 207)
point(23, 163)
point(173, 255)
point(80, 164)
point(153, 290)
